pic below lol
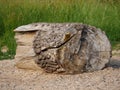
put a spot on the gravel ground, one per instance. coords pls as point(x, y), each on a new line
point(12, 78)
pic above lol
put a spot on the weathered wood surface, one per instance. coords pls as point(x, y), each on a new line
point(71, 48)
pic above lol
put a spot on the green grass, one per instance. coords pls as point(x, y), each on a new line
point(104, 14)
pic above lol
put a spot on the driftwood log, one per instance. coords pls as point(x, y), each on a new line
point(71, 48)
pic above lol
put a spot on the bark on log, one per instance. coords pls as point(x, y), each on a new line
point(71, 48)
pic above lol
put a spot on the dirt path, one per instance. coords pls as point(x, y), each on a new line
point(12, 78)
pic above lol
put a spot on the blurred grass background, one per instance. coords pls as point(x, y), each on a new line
point(104, 14)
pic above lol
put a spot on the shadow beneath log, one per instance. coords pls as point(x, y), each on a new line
point(115, 63)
